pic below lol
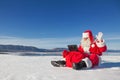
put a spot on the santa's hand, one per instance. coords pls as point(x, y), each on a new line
point(99, 36)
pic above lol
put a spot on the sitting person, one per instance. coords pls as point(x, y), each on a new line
point(88, 53)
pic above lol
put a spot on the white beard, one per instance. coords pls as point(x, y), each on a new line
point(85, 45)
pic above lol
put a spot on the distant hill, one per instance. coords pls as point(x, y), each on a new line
point(20, 48)
point(116, 51)
point(58, 49)
point(16, 48)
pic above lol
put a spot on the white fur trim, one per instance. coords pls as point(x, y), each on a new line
point(100, 44)
point(84, 35)
point(88, 62)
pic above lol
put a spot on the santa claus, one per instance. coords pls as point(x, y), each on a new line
point(88, 53)
point(92, 49)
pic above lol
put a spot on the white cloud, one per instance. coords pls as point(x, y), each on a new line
point(40, 42)
point(113, 38)
point(112, 42)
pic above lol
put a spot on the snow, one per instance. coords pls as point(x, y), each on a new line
point(38, 67)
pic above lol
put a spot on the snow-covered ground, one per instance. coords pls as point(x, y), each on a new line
point(38, 67)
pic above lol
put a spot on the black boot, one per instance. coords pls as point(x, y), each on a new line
point(78, 66)
point(60, 63)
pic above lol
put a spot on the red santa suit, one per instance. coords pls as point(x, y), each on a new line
point(90, 54)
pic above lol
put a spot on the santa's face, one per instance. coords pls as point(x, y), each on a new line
point(85, 42)
point(86, 38)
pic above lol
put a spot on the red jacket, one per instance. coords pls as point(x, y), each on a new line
point(72, 57)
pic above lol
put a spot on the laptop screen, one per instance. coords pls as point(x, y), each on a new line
point(72, 47)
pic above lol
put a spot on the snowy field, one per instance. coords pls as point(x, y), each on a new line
point(37, 67)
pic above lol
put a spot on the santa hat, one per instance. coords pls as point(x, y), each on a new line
point(88, 33)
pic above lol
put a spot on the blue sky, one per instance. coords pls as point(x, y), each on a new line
point(57, 23)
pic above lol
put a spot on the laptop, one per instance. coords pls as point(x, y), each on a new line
point(72, 48)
